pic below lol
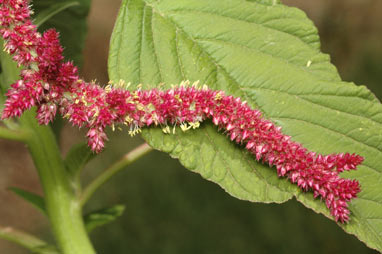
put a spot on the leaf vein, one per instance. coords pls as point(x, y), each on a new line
point(236, 19)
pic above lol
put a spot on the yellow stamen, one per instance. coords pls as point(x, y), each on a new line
point(166, 130)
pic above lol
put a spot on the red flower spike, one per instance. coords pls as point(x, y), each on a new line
point(51, 84)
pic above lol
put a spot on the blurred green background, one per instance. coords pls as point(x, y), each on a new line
point(172, 210)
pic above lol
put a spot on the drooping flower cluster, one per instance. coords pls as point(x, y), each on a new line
point(44, 77)
point(53, 85)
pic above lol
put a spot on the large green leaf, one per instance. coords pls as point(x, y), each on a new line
point(269, 55)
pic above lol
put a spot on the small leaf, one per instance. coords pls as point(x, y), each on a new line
point(46, 14)
point(102, 217)
point(30, 242)
point(36, 200)
point(77, 157)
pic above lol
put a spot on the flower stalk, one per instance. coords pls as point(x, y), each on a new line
point(118, 166)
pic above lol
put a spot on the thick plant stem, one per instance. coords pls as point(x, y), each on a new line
point(62, 205)
point(114, 169)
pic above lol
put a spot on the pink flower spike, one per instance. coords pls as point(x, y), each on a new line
point(52, 85)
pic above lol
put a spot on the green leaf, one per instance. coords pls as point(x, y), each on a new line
point(36, 200)
point(77, 157)
point(30, 242)
point(46, 14)
point(71, 23)
point(269, 55)
point(102, 217)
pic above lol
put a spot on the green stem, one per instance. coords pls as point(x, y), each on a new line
point(13, 135)
point(114, 169)
point(62, 204)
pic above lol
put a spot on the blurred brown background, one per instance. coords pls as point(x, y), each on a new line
point(351, 32)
